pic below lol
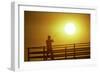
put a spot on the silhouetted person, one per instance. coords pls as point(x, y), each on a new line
point(49, 47)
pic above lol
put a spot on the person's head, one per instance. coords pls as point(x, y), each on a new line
point(49, 37)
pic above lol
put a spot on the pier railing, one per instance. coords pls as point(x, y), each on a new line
point(60, 52)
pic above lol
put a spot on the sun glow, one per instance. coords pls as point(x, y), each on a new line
point(70, 28)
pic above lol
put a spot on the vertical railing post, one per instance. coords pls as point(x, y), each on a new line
point(74, 52)
point(65, 52)
point(44, 57)
point(28, 55)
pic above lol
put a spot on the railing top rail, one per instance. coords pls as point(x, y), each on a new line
point(36, 47)
point(62, 45)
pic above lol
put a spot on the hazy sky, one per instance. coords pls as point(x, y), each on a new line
point(38, 25)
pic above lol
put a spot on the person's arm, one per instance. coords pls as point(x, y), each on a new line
point(52, 40)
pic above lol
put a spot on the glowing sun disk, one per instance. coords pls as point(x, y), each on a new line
point(70, 28)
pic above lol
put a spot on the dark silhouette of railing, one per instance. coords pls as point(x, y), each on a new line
point(60, 52)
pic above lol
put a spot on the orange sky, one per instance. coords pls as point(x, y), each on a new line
point(38, 25)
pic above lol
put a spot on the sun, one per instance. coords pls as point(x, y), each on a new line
point(70, 28)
